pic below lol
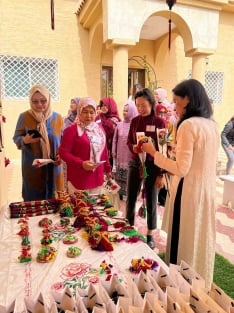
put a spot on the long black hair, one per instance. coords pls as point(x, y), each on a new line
point(148, 95)
point(199, 102)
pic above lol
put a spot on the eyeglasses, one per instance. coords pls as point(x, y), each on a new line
point(162, 112)
point(42, 101)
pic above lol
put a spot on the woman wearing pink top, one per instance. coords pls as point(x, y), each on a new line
point(84, 150)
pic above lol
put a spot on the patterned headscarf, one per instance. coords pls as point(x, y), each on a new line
point(94, 132)
point(41, 118)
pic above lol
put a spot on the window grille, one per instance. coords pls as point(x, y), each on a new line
point(18, 74)
point(213, 85)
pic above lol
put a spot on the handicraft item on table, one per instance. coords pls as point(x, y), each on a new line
point(73, 252)
point(25, 243)
point(70, 239)
point(33, 208)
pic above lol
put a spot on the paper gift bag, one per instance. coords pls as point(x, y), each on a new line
point(80, 304)
point(219, 296)
point(177, 302)
point(115, 289)
point(209, 301)
point(147, 308)
point(53, 308)
point(160, 293)
point(20, 306)
point(67, 300)
point(172, 306)
point(144, 284)
point(97, 296)
point(40, 305)
point(123, 304)
point(134, 294)
point(156, 305)
point(202, 303)
point(164, 280)
point(190, 274)
point(175, 275)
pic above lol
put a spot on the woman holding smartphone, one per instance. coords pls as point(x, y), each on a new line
point(38, 133)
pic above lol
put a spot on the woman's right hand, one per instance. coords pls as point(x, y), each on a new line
point(149, 147)
point(89, 165)
point(29, 139)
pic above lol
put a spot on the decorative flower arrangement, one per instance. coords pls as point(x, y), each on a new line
point(143, 264)
point(163, 139)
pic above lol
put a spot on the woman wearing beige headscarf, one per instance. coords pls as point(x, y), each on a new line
point(39, 182)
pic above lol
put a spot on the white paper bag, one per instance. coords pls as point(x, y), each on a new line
point(67, 300)
point(189, 274)
point(175, 275)
point(219, 296)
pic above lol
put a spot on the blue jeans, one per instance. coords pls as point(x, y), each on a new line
point(230, 161)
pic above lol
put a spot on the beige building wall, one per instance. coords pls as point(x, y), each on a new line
point(25, 31)
point(223, 60)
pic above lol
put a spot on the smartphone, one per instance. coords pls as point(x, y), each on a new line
point(100, 163)
point(35, 133)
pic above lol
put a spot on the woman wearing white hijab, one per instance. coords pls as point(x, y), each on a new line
point(84, 150)
point(39, 183)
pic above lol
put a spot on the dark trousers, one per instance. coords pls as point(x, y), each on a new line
point(176, 224)
point(134, 183)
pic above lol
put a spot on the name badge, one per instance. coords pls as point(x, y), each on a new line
point(150, 128)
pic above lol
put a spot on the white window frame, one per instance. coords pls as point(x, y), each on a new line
point(18, 74)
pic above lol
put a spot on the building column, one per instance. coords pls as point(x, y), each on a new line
point(120, 76)
point(120, 70)
point(199, 67)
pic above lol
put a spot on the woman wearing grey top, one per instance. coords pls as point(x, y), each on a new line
point(227, 137)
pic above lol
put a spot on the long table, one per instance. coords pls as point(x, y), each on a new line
point(28, 280)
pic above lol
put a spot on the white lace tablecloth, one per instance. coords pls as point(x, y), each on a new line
point(21, 280)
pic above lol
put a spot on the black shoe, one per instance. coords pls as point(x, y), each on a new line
point(150, 242)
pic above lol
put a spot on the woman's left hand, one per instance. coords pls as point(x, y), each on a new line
point(148, 147)
point(108, 176)
point(159, 182)
point(57, 160)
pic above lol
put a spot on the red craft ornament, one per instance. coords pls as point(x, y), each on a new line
point(170, 4)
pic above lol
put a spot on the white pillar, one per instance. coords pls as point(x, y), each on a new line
point(120, 76)
point(198, 67)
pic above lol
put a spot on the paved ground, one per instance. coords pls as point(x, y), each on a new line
point(224, 215)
